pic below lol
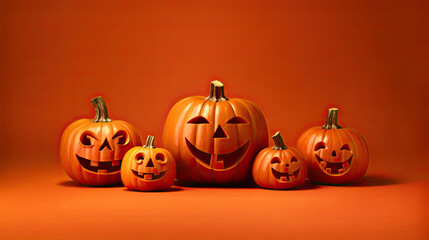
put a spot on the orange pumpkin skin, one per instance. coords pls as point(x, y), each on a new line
point(91, 151)
point(215, 139)
point(148, 168)
point(334, 155)
point(279, 167)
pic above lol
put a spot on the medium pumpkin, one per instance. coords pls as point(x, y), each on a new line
point(279, 167)
point(148, 168)
point(91, 151)
point(334, 154)
point(214, 139)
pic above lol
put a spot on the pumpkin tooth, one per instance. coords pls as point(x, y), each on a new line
point(116, 163)
point(345, 164)
point(328, 170)
point(94, 163)
point(141, 174)
point(341, 170)
point(102, 170)
point(291, 176)
point(283, 178)
point(323, 164)
point(148, 176)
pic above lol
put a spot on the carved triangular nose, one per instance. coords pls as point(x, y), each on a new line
point(220, 133)
point(334, 154)
point(150, 163)
point(105, 144)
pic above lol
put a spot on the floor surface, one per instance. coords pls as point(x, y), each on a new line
point(47, 204)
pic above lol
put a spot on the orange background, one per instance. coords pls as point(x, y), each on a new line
point(294, 59)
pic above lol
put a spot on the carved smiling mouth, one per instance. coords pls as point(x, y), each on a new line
point(285, 176)
point(229, 160)
point(334, 168)
point(149, 176)
point(100, 167)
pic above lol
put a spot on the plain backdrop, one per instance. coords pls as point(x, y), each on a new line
point(294, 59)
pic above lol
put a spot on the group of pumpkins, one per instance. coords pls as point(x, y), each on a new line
point(209, 140)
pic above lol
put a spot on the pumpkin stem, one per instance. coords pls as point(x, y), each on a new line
point(101, 114)
point(332, 119)
point(150, 142)
point(278, 142)
point(217, 92)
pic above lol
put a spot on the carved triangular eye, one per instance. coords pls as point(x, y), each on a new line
point(198, 120)
point(345, 147)
point(275, 160)
point(320, 145)
point(87, 139)
point(237, 120)
point(121, 136)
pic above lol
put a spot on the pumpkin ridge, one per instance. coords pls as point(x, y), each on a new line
point(256, 133)
point(65, 142)
point(243, 106)
point(355, 153)
point(134, 183)
point(238, 142)
point(203, 104)
point(271, 155)
point(80, 172)
point(250, 105)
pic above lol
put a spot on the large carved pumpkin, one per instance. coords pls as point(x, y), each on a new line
point(148, 168)
point(279, 167)
point(334, 154)
point(91, 151)
point(214, 139)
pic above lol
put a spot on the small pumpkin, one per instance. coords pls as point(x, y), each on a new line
point(148, 168)
point(279, 167)
point(91, 151)
point(334, 154)
point(215, 139)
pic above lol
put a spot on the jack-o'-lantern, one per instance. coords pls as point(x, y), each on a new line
point(91, 151)
point(214, 139)
point(279, 167)
point(334, 154)
point(148, 168)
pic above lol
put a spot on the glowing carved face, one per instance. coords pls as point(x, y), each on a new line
point(214, 139)
point(332, 159)
point(149, 167)
point(334, 154)
point(220, 157)
point(101, 153)
point(285, 170)
point(279, 167)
